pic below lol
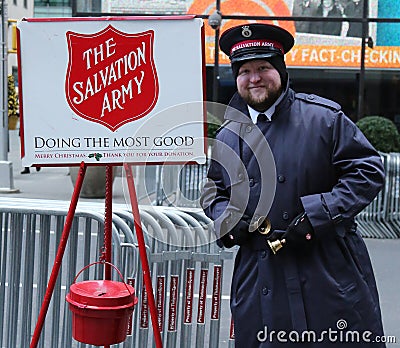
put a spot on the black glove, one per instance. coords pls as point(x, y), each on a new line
point(300, 233)
point(238, 235)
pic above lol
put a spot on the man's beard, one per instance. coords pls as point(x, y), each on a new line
point(262, 103)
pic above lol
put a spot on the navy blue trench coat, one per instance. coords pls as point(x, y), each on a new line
point(324, 165)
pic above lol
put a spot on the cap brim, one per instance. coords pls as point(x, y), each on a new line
point(253, 56)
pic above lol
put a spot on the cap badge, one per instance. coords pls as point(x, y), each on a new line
point(246, 32)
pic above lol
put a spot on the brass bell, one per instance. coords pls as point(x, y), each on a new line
point(276, 245)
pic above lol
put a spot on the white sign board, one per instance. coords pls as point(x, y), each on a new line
point(110, 90)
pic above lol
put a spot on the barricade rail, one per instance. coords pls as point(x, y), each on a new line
point(381, 219)
point(187, 272)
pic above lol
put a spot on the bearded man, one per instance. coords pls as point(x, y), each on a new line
point(289, 172)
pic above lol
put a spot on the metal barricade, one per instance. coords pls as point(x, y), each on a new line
point(171, 185)
point(380, 219)
point(29, 238)
point(187, 272)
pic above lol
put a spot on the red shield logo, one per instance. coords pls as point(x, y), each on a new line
point(111, 77)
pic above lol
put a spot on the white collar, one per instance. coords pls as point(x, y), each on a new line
point(268, 113)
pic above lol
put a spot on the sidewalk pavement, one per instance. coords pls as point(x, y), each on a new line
point(55, 183)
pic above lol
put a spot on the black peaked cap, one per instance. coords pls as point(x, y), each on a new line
point(255, 41)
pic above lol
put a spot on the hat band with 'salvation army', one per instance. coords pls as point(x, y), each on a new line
point(256, 44)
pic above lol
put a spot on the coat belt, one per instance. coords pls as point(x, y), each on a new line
point(296, 304)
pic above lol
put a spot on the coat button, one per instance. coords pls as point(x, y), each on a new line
point(263, 254)
point(265, 290)
point(240, 176)
point(251, 182)
point(281, 178)
point(248, 129)
point(310, 97)
point(285, 215)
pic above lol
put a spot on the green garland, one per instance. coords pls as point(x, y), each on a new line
point(13, 106)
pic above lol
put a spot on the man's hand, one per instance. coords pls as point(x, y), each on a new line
point(238, 235)
point(300, 233)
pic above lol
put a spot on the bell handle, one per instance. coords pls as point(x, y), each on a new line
point(108, 263)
